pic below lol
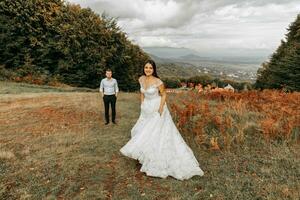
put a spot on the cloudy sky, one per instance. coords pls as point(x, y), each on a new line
point(211, 27)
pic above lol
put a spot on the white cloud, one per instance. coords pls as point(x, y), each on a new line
point(152, 13)
point(204, 25)
point(148, 41)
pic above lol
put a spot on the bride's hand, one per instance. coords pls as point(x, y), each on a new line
point(160, 110)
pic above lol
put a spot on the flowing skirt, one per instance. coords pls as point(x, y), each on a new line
point(157, 144)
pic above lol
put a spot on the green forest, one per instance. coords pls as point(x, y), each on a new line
point(52, 40)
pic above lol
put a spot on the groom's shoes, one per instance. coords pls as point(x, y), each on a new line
point(114, 122)
point(106, 123)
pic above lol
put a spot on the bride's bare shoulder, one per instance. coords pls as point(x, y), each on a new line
point(158, 80)
point(141, 78)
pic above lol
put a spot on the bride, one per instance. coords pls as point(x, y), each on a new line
point(155, 141)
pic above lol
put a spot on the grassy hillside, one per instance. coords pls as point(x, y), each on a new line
point(17, 88)
point(54, 145)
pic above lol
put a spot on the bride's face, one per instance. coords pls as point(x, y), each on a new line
point(148, 69)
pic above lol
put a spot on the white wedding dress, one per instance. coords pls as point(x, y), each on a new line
point(156, 143)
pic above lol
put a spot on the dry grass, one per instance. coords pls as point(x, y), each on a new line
point(231, 118)
point(54, 145)
point(6, 155)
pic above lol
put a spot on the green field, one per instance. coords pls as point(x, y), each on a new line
point(54, 145)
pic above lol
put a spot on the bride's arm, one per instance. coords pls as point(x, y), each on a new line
point(163, 94)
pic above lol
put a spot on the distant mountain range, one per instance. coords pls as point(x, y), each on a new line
point(169, 52)
point(185, 62)
point(188, 55)
point(160, 60)
point(193, 57)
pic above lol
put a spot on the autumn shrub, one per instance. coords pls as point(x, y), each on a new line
point(225, 119)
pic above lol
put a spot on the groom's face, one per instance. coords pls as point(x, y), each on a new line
point(108, 74)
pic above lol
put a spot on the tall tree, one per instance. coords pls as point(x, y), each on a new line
point(283, 69)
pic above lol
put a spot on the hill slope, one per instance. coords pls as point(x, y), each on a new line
point(54, 145)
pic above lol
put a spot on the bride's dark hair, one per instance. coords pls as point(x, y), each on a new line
point(151, 62)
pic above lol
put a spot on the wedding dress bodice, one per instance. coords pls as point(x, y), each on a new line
point(152, 91)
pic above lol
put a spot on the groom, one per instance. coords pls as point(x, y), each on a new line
point(109, 90)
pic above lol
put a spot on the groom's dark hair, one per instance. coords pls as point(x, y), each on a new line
point(108, 70)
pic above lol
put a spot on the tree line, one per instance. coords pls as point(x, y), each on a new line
point(52, 40)
point(204, 80)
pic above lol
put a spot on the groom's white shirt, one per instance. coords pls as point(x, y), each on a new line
point(109, 87)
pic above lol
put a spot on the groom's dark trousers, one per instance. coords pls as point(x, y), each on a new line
point(110, 99)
